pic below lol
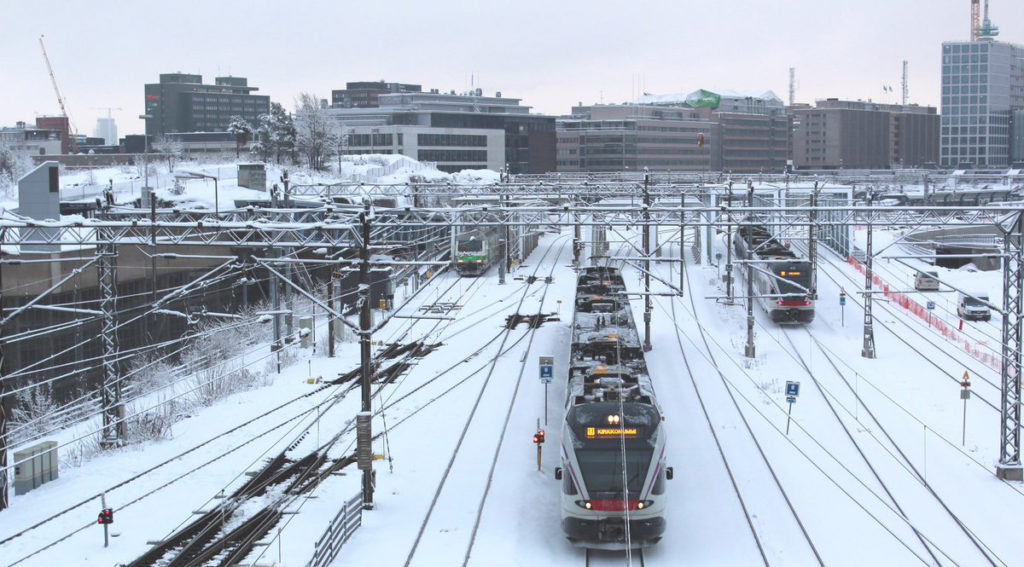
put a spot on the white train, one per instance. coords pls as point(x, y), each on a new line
point(782, 279)
point(613, 469)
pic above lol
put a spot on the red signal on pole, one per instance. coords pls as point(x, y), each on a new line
point(106, 516)
point(538, 437)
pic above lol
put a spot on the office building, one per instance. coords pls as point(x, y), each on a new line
point(180, 102)
point(456, 131)
point(1017, 143)
point(982, 87)
point(364, 94)
point(700, 131)
point(106, 128)
point(33, 141)
point(842, 134)
point(60, 124)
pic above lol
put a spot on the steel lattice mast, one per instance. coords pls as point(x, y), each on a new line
point(113, 415)
point(1013, 292)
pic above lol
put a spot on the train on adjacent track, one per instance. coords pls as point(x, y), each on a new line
point(476, 250)
point(782, 279)
point(613, 468)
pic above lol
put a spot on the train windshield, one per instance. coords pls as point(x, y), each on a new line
point(602, 469)
point(799, 275)
point(471, 246)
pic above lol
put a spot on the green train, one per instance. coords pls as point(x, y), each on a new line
point(476, 250)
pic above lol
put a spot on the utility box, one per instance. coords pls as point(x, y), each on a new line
point(252, 176)
point(35, 465)
point(39, 198)
point(306, 331)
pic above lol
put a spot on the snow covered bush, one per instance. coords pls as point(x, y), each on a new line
point(37, 407)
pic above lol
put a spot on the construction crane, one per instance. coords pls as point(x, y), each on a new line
point(72, 131)
point(975, 19)
point(981, 27)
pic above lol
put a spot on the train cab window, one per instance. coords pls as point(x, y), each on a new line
point(471, 246)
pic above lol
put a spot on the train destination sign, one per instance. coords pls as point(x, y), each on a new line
point(610, 432)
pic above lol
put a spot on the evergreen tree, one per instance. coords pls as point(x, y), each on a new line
point(282, 131)
point(241, 130)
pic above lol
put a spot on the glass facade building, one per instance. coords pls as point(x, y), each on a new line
point(982, 85)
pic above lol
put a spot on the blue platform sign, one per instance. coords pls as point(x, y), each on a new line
point(547, 369)
point(930, 306)
point(792, 389)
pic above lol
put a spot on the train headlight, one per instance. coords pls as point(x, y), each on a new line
point(644, 504)
point(584, 504)
point(614, 419)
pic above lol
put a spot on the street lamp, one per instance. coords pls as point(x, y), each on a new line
point(196, 175)
point(145, 145)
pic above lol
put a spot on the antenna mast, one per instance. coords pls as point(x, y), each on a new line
point(792, 85)
point(904, 82)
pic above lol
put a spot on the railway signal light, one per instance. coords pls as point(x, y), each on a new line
point(106, 516)
point(538, 437)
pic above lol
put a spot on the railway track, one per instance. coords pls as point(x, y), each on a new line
point(597, 558)
point(775, 529)
point(447, 506)
point(206, 540)
point(930, 545)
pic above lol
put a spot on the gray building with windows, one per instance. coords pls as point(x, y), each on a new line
point(180, 102)
point(364, 94)
point(846, 134)
point(701, 131)
point(456, 131)
point(982, 86)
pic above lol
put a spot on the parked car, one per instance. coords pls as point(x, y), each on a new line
point(973, 307)
point(926, 281)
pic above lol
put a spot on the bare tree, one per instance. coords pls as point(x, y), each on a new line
point(170, 147)
point(313, 129)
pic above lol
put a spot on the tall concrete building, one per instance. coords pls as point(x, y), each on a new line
point(701, 131)
point(457, 131)
point(106, 128)
point(982, 87)
point(180, 102)
point(843, 134)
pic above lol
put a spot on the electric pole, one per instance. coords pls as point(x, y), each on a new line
point(4, 489)
point(1009, 467)
point(364, 431)
point(749, 351)
point(812, 242)
point(869, 329)
point(647, 263)
point(113, 411)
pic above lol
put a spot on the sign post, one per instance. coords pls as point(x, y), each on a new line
point(965, 394)
point(792, 391)
point(842, 305)
point(547, 372)
point(930, 306)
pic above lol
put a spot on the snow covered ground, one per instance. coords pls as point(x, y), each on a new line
point(871, 472)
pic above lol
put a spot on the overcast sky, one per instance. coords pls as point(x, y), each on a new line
point(551, 53)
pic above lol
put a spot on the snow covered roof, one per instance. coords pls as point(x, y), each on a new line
point(703, 97)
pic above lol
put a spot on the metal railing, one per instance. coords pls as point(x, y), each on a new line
point(344, 524)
